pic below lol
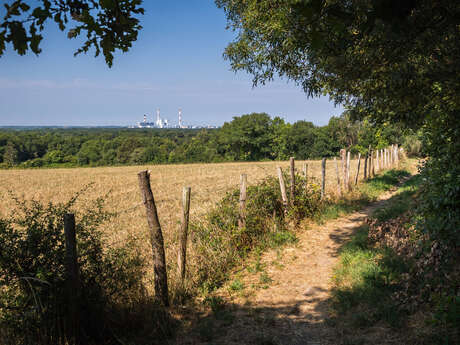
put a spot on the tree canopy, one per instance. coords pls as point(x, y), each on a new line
point(108, 25)
point(388, 58)
point(387, 61)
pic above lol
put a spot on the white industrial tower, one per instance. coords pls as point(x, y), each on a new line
point(180, 118)
point(159, 123)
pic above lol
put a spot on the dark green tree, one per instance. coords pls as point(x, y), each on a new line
point(10, 155)
point(108, 25)
point(386, 60)
point(247, 137)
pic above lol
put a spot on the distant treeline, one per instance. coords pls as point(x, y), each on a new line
point(251, 137)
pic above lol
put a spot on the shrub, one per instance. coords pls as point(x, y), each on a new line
point(220, 243)
point(33, 278)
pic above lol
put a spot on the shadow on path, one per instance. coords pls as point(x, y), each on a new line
point(295, 309)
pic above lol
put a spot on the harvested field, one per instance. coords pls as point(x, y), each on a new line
point(209, 184)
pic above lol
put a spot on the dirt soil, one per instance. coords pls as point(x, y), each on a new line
point(288, 301)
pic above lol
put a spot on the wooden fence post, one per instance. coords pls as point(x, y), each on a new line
point(372, 164)
point(369, 162)
point(377, 163)
point(365, 166)
point(387, 165)
point(397, 154)
point(292, 168)
point(72, 278)
point(392, 151)
point(339, 189)
point(357, 170)
point(182, 255)
point(343, 153)
point(282, 189)
point(156, 239)
point(323, 181)
point(389, 157)
point(348, 171)
point(242, 212)
point(381, 160)
point(305, 170)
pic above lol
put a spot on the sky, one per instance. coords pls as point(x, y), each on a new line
point(175, 63)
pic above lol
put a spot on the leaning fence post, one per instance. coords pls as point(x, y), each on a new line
point(339, 189)
point(72, 276)
point(282, 189)
point(357, 170)
point(242, 212)
point(156, 239)
point(323, 181)
point(292, 168)
point(182, 255)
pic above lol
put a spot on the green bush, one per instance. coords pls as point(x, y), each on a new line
point(33, 302)
point(221, 243)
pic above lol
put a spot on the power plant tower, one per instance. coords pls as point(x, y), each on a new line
point(180, 118)
point(145, 118)
point(159, 123)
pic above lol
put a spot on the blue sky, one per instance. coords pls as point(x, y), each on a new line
point(175, 63)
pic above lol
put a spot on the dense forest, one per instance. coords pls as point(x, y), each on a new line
point(252, 137)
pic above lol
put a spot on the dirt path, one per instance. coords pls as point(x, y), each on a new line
point(285, 300)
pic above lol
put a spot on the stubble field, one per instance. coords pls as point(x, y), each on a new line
point(119, 185)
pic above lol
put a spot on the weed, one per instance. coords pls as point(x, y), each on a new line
point(236, 285)
point(265, 278)
point(216, 303)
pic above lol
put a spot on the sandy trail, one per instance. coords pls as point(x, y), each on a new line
point(292, 308)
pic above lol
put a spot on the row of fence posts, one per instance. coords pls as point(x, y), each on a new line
point(384, 158)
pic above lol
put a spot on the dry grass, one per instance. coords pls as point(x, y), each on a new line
point(209, 184)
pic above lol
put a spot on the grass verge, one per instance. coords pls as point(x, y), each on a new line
point(366, 193)
point(368, 275)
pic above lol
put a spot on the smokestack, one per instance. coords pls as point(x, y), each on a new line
point(145, 118)
point(180, 118)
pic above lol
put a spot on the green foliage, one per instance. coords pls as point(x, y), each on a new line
point(221, 243)
point(10, 154)
point(33, 304)
point(249, 137)
point(364, 282)
point(401, 202)
point(108, 25)
point(246, 138)
point(388, 62)
point(382, 183)
point(439, 201)
point(236, 285)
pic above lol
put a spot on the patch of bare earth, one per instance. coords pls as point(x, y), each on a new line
point(285, 300)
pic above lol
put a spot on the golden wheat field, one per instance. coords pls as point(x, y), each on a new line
point(209, 183)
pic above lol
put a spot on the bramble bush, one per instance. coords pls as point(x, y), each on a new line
point(32, 276)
